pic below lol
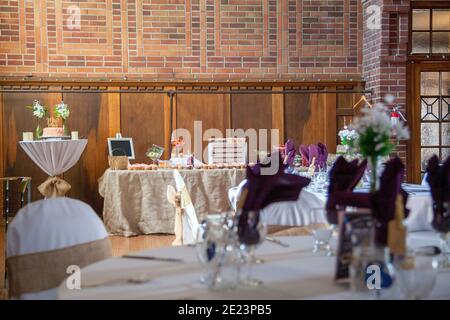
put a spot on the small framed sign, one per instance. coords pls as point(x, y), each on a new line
point(354, 227)
point(121, 147)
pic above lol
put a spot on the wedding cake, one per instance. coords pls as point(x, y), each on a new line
point(53, 129)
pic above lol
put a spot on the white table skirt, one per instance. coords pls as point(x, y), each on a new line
point(288, 273)
point(54, 157)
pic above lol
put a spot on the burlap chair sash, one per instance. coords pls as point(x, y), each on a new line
point(47, 269)
point(54, 187)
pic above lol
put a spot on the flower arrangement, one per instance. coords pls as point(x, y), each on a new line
point(39, 111)
point(347, 136)
point(62, 111)
point(375, 129)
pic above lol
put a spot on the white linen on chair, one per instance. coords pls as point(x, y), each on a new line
point(190, 222)
point(52, 224)
point(234, 194)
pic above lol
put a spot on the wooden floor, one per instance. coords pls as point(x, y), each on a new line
point(120, 246)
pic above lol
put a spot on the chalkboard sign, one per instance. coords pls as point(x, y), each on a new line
point(354, 227)
point(121, 147)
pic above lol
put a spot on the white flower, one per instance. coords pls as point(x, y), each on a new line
point(348, 135)
point(38, 110)
point(62, 111)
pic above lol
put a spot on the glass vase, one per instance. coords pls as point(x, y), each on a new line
point(65, 128)
point(38, 131)
point(374, 162)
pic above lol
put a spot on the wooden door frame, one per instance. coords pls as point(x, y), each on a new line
point(414, 112)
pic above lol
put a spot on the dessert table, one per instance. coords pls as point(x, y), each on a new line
point(135, 201)
point(288, 273)
point(54, 157)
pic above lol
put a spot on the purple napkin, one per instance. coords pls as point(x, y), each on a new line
point(344, 176)
point(290, 152)
point(383, 201)
point(313, 151)
point(438, 177)
point(263, 190)
point(304, 152)
point(322, 155)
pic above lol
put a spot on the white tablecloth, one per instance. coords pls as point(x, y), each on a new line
point(54, 157)
point(288, 273)
point(306, 210)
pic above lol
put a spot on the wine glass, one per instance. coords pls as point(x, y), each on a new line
point(251, 232)
point(416, 275)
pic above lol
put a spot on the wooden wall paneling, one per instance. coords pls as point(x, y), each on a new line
point(142, 118)
point(252, 111)
point(303, 120)
point(278, 114)
point(329, 114)
point(2, 134)
point(91, 115)
point(16, 120)
point(210, 109)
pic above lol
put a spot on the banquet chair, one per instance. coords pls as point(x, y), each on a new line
point(46, 240)
point(14, 196)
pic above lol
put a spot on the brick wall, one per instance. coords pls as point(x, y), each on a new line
point(385, 55)
point(200, 39)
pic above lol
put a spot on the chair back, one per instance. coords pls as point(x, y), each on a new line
point(46, 240)
point(190, 222)
point(16, 193)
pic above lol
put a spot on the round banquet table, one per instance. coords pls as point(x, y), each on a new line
point(301, 212)
point(54, 157)
point(288, 273)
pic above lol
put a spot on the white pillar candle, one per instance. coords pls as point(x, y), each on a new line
point(27, 136)
point(74, 135)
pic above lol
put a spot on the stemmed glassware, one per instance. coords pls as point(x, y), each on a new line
point(251, 232)
point(416, 275)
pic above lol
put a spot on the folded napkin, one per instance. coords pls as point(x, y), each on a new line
point(382, 203)
point(438, 177)
point(263, 190)
point(304, 152)
point(289, 152)
point(322, 155)
point(317, 151)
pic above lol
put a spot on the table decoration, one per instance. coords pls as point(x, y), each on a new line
point(374, 130)
point(316, 154)
point(218, 251)
point(74, 135)
point(347, 137)
point(155, 153)
point(27, 136)
point(438, 177)
point(62, 112)
point(39, 111)
point(118, 162)
point(54, 157)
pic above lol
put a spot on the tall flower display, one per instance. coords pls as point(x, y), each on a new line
point(39, 111)
point(62, 111)
point(375, 130)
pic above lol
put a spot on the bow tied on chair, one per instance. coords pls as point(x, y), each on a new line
point(174, 198)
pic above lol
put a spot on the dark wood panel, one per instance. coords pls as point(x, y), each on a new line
point(253, 111)
point(16, 120)
point(89, 116)
point(210, 109)
point(142, 118)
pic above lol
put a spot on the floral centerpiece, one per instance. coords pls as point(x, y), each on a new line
point(62, 112)
point(39, 111)
point(347, 136)
point(375, 129)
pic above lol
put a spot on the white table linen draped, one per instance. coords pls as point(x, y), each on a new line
point(54, 157)
point(288, 273)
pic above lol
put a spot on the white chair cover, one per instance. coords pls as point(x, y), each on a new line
point(49, 225)
point(234, 194)
point(190, 222)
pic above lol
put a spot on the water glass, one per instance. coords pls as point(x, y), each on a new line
point(416, 275)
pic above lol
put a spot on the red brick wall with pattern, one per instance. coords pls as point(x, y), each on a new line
point(175, 39)
point(385, 55)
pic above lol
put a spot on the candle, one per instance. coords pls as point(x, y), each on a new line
point(74, 135)
point(27, 136)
